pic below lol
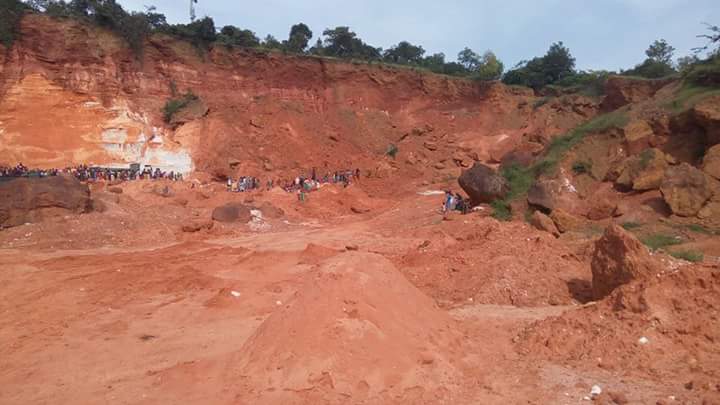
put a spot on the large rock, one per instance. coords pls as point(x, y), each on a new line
point(644, 171)
point(25, 200)
point(543, 194)
point(483, 184)
point(619, 258)
point(621, 91)
point(711, 162)
point(706, 114)
point(565, 221)
point(544, 223)
point(232, 212)
point(637, 136)
point(686, 190)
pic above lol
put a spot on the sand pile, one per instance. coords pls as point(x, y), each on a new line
point(356, 332)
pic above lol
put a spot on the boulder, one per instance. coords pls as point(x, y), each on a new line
point(711, 162)
point(25, 200)
point(565, 221)
point(543, 194)
point(197, 226)
point(602, 209)
point(618, 259)
point(643, 172)
point(637, 136)
point(483, 184)
point(115, 190)
point(686, 189)
point(232, 212)
point(621, 91)
point(544, 223)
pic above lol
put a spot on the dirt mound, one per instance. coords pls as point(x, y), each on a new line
point(483, 184)
point(314, 254)
point(25, 200)
point(356, 331)
point(619, 258)
point(662, 329)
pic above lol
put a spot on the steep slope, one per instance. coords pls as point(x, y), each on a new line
point(72, 93)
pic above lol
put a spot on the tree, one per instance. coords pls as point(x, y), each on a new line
point(651, 69)
point(300, 35)
point(434, 62)
point(660, 51)
point(317, 49)
point(713, 39)
point(556, 65)
point(234, 36)
point(686, 62)
point(405, 53)
point(270, 42)
point(490, 67)
point(343, 43)
point(11, 12)
point(469, 59)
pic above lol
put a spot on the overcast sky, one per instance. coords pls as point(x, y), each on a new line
point(601, 34)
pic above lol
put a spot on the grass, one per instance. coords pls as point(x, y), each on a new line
point(689, 255)
point(659, 241)
point(700, 229)
point(629, 226)
point(501, 210)
point(689, 95)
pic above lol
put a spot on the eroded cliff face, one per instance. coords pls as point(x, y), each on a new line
point(71, 93)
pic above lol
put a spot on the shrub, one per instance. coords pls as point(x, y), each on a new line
point(629, 226)
point(659, 241)
point(174, 105)
point(11, 12)
point(392, 150)
point(501, 210)
point(582, 167)
point(689, 255)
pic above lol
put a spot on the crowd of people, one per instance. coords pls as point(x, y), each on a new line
point(301, 184)
point(93, 173)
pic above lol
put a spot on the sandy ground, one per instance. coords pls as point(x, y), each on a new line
point(392, 306)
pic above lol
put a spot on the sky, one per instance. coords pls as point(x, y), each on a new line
point(601, 34)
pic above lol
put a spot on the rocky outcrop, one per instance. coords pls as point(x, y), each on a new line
point(565, 221)
point(542, 194)
point(25, 200)
point(686, 190)
point(637, 136)
point(619, 258)
point(711, 162)
point(621, 91)
point(232, 212)
point(483, 184)
point(602, 209)
point(706, 114)
point(643, 172)
point(543, 222)
point(197, 226)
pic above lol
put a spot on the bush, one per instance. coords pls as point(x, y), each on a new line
point(651, 69)
point(659, 241)
point(629, 226)
point(501, 210)
point(582, 167)
point(392, 151)
point(11, 12)
point(174, 105)
point(689, 255)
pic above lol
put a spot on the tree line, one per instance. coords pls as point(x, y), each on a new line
point(556, 67)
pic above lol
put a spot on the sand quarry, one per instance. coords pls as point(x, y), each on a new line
point(325, 305)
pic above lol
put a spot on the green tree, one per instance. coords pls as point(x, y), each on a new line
point(469, 59)
point(556, 65)
point(11, 12)
point(270, 42)
point(234, 36)
point(490, 67)
point(434, 62)
point(343, 43)
point(405, 53)
point(300, 35)
point(660, 51)
point(317, 49)
point(686, 62)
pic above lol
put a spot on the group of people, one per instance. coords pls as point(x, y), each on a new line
point(301, 184)
point(93, 173)
point(454, 202)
